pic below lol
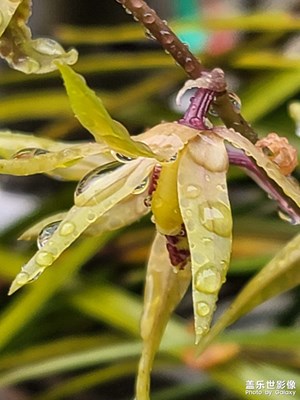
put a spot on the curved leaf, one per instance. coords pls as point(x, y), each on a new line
point(92, 114)
point(20, 50)
point(164, 289)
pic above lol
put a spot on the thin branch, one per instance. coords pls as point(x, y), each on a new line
point(191, 65)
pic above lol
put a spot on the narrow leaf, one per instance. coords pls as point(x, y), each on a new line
point(92, 114)
point(29, 303)
point(164, 290)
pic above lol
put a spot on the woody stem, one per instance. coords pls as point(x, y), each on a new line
point(191, 65)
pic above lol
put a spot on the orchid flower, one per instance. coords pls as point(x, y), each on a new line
point(177, 172)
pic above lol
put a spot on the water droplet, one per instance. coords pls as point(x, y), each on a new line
point(22, 278)
point(207, 178)
point(35, 277)
point(287, 218)
point(148, 18)
point(192, 191)
point(30, 65)
point(173, 158)
point(46, 233)
point(213, 112)
point(224, 265)
point(44, 258)
point(91, 216)
point(208, 280)
point(235, 101)
point(188, 213)
point(202, 308)
point(142, 186)
point(66, 228)
point(121, 157)
point(149, 35)
point(29, 152)
point(216, 217)
point(221, 187)
point(48, 47)
point(167, 37)
point(93, 175)
point(148, 201)
point(199, 332)
point(189, 65)
point(206, 240)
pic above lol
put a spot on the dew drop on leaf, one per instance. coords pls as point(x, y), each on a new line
point(121, 157)
point(44, 258)
point(29, 152)
point(142, 186)
point(46, 233)
point(193, 191)
point(215, 217)
point(208, 280)
point(93, 175)
point(66, 228)
point(202, 309)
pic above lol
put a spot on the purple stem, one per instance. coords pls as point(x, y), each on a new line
point(195, 115)
point(285, 203)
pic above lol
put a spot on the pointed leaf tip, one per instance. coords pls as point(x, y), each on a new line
point(14, 287)
point(91, 113)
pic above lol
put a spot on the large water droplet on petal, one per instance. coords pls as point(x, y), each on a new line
point(121, 157)
point(66, 228)
point(29, 152)
point(142, 186)
point(44, 258)
point(93, 175)
point(35, 276)
point(216, 217)
point(208, 280)
point(192, 191)
point(46, 233)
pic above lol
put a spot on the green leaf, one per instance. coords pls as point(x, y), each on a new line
point(18, 48)
point(81, 359)
point(92, 114)
point(83, 382)
point(48, 161)
point(25, 306)
point(256, 99)
point(279, 275)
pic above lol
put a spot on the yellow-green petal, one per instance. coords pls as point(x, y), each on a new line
point(91, 113)
point(19, 49)
point(164, 289)
point(205, 209)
